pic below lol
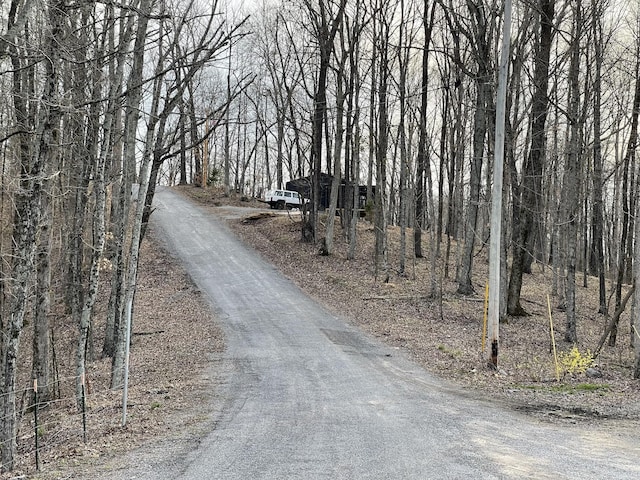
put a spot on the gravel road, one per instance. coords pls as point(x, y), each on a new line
point(305, 396)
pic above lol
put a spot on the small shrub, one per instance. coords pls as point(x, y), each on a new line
point(575, 362)
point(369, 210)
point(214, 176)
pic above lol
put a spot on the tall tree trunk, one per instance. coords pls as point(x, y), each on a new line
point(34, 154)
point(183, 144)
point(482, 39)
point(570, 187)
point(134, 97)
point(403, 61)
point(337, 158)
point(628, 160)
point(380, 223)
point(421, 161)
point(596, 263)
point(444, 132)
point(94, 276)
point(353, 131)
point(194, 136)
point(83, 349)
point(227, 139)
point(533, 166)
point(456, 152)
point(635, 317)
point(326, 31)
point(121, 188)
point(41, 364)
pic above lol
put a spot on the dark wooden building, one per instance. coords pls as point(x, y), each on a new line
point(303, 187)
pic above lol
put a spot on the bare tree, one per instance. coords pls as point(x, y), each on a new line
point(481, 38)
point(571, 185)
point(325, 26)
point(627, 162)
point(528, 205)
point(35, 152)
point(339, 72)
point(131, 116)
point(421, 162)
point(596, 259)
point(381, 45)
point(352, 134)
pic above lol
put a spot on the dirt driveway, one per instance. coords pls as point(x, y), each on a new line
point(304, 395)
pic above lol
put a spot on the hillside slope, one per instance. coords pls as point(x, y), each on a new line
point(444, 333)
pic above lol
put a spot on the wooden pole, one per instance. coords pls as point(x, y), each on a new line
point(205, 155)
point(553, 339)
point(35, 422)
point(496, 201)
point(484, 316)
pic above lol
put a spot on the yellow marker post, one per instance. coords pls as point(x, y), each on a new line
point(35, 422)
point(553, 339)
point(486, 312)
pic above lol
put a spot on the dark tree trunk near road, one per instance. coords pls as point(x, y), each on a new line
point(531, 189)
point(570, 198)
point(326, 30)
point(596, 258)
point(421, 162)
point(41, 362)
point(482, 39)
point(381, 43)
point(629, 159)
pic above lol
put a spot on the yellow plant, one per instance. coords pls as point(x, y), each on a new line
point(575, 362)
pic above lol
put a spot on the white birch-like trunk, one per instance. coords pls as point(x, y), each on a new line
point(635, 320)
point(132, 115)
point(41, 366)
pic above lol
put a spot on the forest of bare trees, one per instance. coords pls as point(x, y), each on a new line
point(102, 101)
point(96, 98)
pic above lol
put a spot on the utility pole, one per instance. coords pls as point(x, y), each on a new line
point(205, 153)
point(496, 200)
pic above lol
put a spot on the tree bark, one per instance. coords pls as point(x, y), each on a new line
point(626, 202)
point(570, 187)
point(533, 166)
point(482, 40)
point(326, 30)
point(132, 114)
point(121, 188)
point(353, 131)
point(380, 221)
point(596, 264)
point(34, 155)
point(41, 364)
point(421, 161)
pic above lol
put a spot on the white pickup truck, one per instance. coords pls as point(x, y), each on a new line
point(282, 199)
